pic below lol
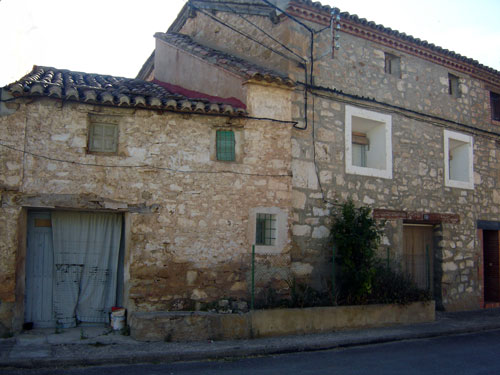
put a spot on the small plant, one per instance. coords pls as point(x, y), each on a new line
point(83, 336)
point(59, 328)
point(168, 337)
point(394, 287)
point(302, 295)
point(125, 331)
point(7, 335)
point(98, 344)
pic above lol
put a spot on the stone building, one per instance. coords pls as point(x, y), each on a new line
point(248, 124)
point(393, 122)
point(161, 183)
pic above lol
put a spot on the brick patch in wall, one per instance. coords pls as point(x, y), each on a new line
point(416, 216)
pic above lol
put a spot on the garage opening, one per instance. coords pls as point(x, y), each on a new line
point(74, 267)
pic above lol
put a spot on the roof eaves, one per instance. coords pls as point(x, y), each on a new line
point(114, 91)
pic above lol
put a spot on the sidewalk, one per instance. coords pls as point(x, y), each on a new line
point(98, 346)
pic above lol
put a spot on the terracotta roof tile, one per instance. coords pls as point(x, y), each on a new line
point(417, 41)
point(235, 64)
point(110, 90)
point(353, 17)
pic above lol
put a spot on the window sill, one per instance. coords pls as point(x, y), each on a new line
point(371, 172)
point(460, 184)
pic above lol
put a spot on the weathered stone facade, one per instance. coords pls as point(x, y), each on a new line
point(188, 218)
point(418, 102)
point(186, 215)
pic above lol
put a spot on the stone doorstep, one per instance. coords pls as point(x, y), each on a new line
point(185, 326)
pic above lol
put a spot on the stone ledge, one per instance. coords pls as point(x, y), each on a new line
point(198, 326)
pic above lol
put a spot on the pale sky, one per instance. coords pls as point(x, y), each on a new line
point(116, 36)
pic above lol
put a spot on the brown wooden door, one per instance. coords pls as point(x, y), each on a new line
point(491, 265)
point(418, 254)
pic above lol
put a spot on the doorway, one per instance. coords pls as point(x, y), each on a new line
point(418, 254)
point(491, 257)
point(73, 267)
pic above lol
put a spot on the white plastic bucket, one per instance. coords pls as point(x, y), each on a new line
point(117, 322)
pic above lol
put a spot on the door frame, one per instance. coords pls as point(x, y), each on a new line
point(432, 256)
point(20, 288)
point(483, 225)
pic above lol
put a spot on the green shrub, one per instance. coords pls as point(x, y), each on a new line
point(356, 236)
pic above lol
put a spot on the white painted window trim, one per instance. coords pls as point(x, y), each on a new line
point(375, 116)
point(448, 134)
point(281, 229)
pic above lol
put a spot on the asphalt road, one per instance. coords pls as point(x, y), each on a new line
point(477, 353)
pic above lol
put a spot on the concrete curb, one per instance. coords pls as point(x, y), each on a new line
point(238, 349)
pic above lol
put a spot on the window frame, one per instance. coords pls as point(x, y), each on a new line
point(389, 67)
point(92, 138)
point(106, 120)
point(454, 86)
point(469, 140)
point(224, 140)
point(239, 139)
point(266, 236)
point(386, 121)
point(281, 229)
point(495, 108)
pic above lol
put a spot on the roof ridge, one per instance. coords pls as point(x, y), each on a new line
point(237, 64)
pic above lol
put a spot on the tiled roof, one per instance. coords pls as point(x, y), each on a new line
point(110, 90)
point(229, 62)
point(317, 6)
point(417, 41)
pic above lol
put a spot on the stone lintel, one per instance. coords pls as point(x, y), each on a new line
point(80, 202)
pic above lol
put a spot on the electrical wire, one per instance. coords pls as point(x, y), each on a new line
point(396, 109)
point(311, 58)
point(145, 166)
point(242, 33)
point(180, 112)
point(289, 15)
point(264, 32)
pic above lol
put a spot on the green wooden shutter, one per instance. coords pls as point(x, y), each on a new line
point(225, 145)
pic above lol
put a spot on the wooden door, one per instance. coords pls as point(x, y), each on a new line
point(39, 271)
point(418, 254)
point(491, 263)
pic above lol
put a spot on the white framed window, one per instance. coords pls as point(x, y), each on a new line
point(368, 143)
point(267, 229)
point(458, 160)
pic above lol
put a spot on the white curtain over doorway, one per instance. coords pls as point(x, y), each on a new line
point(86, 248)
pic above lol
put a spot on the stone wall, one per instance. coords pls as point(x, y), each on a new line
point(186, 215)
point(420, 108)
point(200, 326)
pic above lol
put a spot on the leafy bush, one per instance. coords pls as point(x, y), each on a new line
point(362, 278)
point(357, 236)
